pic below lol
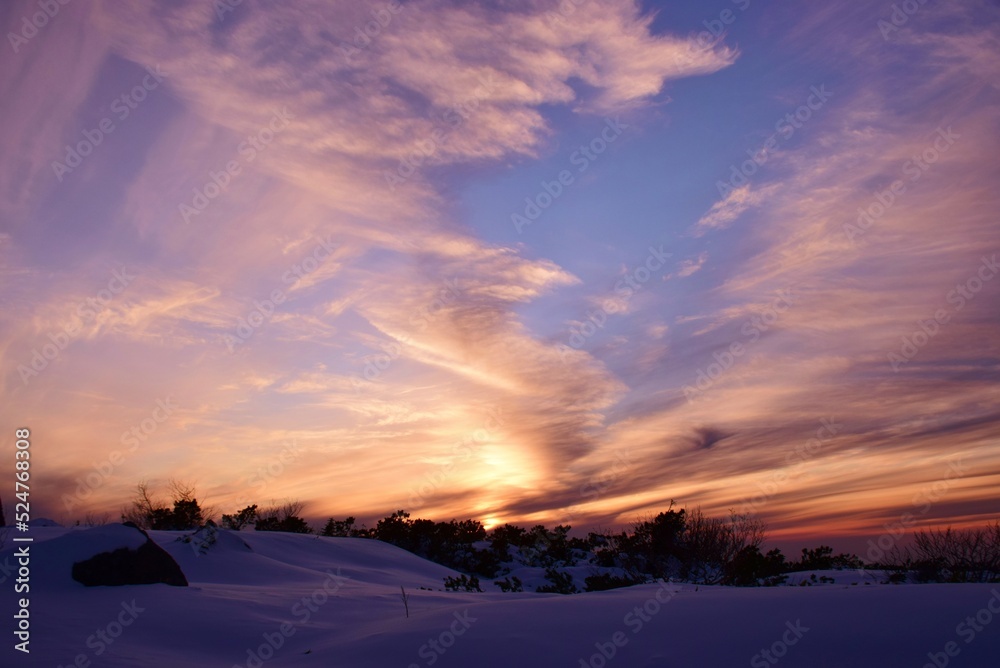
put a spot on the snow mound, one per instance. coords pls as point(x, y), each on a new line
point(302, 601)
point(210, 538)
point(54, 562)
point(254, 556)
point(43, 522)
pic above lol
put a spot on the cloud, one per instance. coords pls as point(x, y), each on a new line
point(443, 83)
point(724, 212)
point(856, 301)
point(689, 267)
point(401, 345)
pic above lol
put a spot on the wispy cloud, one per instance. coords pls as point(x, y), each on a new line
point(724, 212)
point(422, 321)
point(690, 266)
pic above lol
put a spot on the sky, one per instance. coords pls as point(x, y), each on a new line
point(522, 261)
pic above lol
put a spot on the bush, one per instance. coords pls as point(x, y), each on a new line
point(446, 543)
point(972, 555)
point(714, 546)
point(823, 559)
point(243, 518)
point(147, 512)
point(655, 547)
point(283, 518)
point(186, 514)
point(340, 529)
point(462, 583)
point(562, 583)
point(605, 581)
point(820, 559)
point(512, 585)
point(505, 537)
point(750, 568)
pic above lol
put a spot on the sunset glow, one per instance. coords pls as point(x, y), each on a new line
point(499, 261)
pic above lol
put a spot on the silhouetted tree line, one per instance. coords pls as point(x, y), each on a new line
point(947, 555)
point(675, 544)
point(147, 512)
point(694, 548)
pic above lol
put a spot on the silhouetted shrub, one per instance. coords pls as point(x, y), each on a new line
point(972, 555)
point(243, 518)
point(510, 585)
point(448, 543)
point(750, 568)
point(605, 581)
point(562, 583)
point(462, 583)
point(148, 513)
point(713, 545)
point(341, 529)
point(282, 518)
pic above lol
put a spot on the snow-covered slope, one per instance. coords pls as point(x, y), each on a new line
point(323, 602)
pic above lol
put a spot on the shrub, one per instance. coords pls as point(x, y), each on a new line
point(147, 512)
point(972, 555)
point(339, 528)
point(283, 518)
point(446, 543)
point(512, 585)
point(462, 583)
point(714, 545)
point(243, 518)
point(750, 568)
point(605, 581)
point(562, 583)
point(820, 559)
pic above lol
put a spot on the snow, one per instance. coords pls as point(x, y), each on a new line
point(339, 602)
point(43, 522)
point(53, 564)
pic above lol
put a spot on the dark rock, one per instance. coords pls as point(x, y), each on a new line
point(149, 564)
